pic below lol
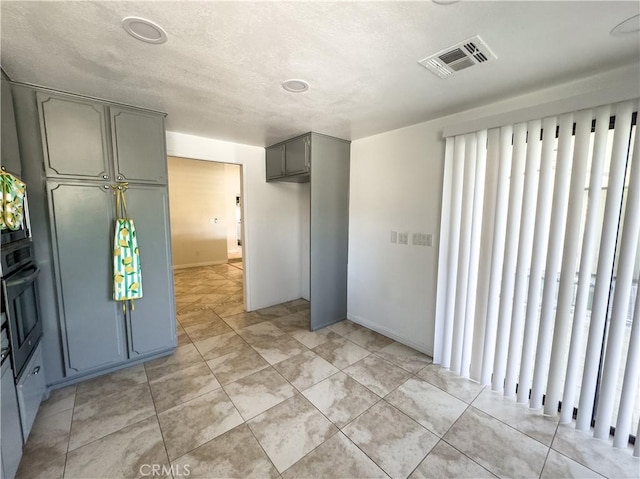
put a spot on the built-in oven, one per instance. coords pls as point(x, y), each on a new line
point(20, 300)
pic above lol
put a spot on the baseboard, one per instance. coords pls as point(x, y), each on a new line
point(194, 265)
point(391, 334)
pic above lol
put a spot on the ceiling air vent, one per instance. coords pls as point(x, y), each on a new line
point(465, 54)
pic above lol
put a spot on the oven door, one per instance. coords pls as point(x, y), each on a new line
point(23, 313)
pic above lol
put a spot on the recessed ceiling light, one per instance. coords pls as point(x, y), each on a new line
point(630, 25)
point(295, 86)
point(144, 30)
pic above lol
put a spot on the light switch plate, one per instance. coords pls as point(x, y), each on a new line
point(394, 236)
point(403, 238)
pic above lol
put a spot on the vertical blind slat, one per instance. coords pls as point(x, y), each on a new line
point(454, 236)
point(576, 348)
point(605, 264)
point(502, 193)
point(622, 290)
point(539, 252)
point(443, 253)
point(510, 253)
point(486, 249)
point(569, 259)
point(524, 256)
point(554, 253)
point(466, 219)
point(474, 258)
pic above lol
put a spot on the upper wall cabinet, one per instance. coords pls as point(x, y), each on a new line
point(79, 141)
point(74, 134)
point(9, 146)
point(290, 160)
point(138, 142)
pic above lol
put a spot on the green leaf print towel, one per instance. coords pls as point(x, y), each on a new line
point(127, 274)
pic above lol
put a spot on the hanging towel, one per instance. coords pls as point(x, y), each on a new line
point(12, 204)
point(127, 274)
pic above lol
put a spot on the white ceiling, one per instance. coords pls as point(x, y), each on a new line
point(219, 75)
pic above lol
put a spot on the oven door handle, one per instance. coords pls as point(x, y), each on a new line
point(22, 279)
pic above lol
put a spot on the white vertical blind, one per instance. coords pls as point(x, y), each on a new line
point(576, 347)
point(525, 226)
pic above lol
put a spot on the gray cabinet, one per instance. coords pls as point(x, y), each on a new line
point(98, 332)
point(74, 150)
point(74, 137)
point(9, 141)
point(31, 388)
point(138, 142)
point(80, 143)
point(292, 160)
point(289, 160)
point(81, 217)
point(11, 434)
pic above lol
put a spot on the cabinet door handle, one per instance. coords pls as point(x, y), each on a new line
point(120, 177)
point(36, 370)
point(105, 177)
point(106, 187)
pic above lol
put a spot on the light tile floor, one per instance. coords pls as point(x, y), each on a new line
point(258, 395)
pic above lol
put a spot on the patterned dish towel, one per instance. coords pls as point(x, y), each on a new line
point(127, 274)
point(12, 204)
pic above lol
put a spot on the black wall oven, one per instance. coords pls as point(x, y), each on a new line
point(20, 300)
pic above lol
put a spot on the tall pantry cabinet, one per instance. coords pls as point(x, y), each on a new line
point(79, 151)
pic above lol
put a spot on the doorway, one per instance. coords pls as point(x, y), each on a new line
point(207, 235)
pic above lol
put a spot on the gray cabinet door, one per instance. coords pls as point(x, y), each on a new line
point(74, 137)
point(152, 324)
point(9, 145)
point(82, 228)
point(138, 146)
point(275, 162)
point(297, 156)
point(10, 421)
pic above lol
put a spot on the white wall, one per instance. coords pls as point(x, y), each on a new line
point(232, 188)
point(396, 184)
point(271, 219)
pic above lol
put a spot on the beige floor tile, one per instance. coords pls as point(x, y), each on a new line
point(238, 364)
point(220, 345)
point(278, 349)
point(343, 327)
point(183, 357)
point(433, 408)
point(201, 331)
point(497, 447)
point(519, 416)
point(598, 455)
point(261, 332)
point(183, 337)
point(229, 309)
point(379, 375)
point(112, 383)
point(243, 320)
point(273, 312)
point(181, 386)
point(258, 392)
point(197, 316)
point(390, 438)
point(121, 454)
point(404, 356)
point(446, 461)
point(337, 456)
point(59, 400)
point(49, 436)
point(341, 352)
point(110, 413)
point(234, 454)
point(195, 422)
point(311, 339)
point(558, 465)
point(340, 398)
point(464, 389)
point(290, 430)
point(292, 323)
point(367, 339)
point(43, 466)
point(305, 369)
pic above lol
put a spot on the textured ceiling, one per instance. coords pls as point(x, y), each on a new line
point(219, 74)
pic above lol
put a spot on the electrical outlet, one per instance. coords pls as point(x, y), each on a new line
point(403, 238)
point(422, 239)
point(429, 240)
point(394, 236)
